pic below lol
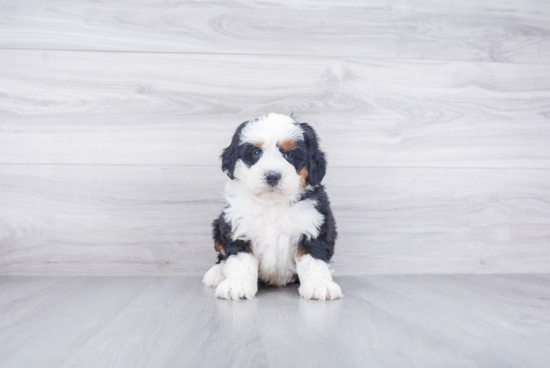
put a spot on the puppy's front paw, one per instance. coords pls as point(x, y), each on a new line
point(214, 275)
point(237, 288)
point(321, 289)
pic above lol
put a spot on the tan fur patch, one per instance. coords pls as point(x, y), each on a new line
point(301, 254)
point(288, 145)
point(219, 248)
point(258, 144)
point(304, 177)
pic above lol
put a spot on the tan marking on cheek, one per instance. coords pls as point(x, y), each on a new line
point(301, 254)
point(304, 177)
point(288, 145)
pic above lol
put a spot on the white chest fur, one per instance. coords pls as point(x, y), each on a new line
point(274, 230)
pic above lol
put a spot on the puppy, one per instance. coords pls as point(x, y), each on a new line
point(277, 225)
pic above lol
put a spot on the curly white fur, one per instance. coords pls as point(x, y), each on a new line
point(214, 275)
point(316, 280)
point(240, 277)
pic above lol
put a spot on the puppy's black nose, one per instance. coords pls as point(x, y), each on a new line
point(272, 178)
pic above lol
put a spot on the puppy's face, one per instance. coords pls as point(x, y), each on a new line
point(274, 157)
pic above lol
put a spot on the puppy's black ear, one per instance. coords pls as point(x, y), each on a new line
point(230, 155)
point(317, 164)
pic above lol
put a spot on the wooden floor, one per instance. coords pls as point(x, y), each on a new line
point(383, 321)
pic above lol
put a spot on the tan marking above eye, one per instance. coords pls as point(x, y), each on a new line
point(258, 144)
point(288, 145)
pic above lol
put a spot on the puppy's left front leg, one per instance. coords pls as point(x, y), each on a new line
point(240, 277)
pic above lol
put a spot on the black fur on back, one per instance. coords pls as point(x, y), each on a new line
point(321, 247)
point(221, 233)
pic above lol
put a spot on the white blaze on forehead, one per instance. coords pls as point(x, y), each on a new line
point(271, 129)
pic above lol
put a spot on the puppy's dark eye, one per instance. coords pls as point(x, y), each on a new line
point(289, 155)
point(258, 153)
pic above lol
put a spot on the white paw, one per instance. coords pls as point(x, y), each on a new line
point(320, 289)
point(237, 288)
point(214, 275)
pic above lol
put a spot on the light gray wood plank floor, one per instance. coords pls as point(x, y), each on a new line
point(153, 220)
point(489, 30)
point(383, 321)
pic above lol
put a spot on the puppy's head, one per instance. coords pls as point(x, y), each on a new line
point(274, 157)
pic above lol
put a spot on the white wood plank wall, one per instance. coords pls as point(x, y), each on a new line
point(435, 117)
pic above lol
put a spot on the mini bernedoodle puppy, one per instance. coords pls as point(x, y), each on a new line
point(277, 225)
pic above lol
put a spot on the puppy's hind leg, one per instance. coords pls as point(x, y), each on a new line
point(214, 275)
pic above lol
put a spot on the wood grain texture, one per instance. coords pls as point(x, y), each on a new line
point(141, 220)
point(383, 321)
point(166, 109)
point(504, 31)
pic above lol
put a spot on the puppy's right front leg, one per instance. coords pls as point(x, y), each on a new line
point(240, 274)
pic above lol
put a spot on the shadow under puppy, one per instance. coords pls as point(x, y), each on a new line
point(277, 224)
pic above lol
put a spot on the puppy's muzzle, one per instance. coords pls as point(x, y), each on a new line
point(272, 178)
